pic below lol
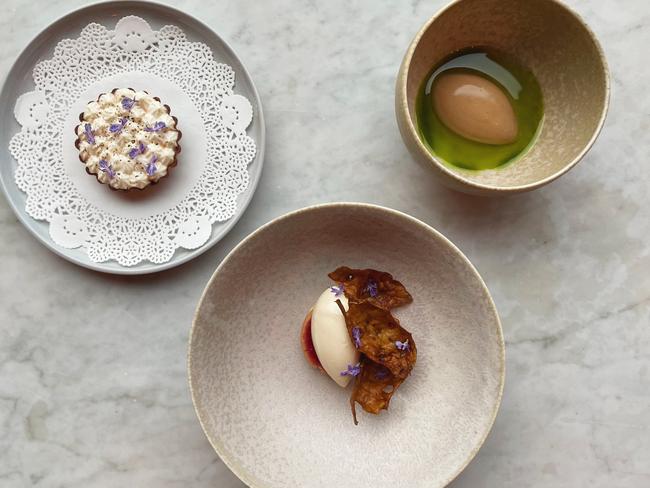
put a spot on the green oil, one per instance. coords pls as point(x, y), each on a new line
point(518, 84)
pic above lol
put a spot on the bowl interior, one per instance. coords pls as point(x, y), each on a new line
point(551, 41)
point(275, 421)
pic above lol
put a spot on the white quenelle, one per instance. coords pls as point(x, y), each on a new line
point(332, 343)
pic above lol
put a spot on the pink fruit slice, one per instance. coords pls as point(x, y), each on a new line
point(307, 343)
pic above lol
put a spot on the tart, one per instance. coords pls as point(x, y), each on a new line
point(128, 139)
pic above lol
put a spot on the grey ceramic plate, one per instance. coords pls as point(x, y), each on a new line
point(19, 81)
point(277, 422)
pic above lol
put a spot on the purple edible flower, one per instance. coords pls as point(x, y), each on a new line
point(115, 128)
point(381, 374)
point(371, 288)
point(402, 346)
point(352, 370)
point(127, 103)
point(337, 290)
point(356, 335)
point(157, 127)
point(151, 167)
point(90, 137)
point(141, 149)
point(106, 168)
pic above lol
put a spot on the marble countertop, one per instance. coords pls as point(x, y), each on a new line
point(93, 388)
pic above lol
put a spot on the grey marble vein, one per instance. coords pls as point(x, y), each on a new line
point(93, 388)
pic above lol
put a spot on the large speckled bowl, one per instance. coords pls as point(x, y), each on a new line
point(277, 422)
point(549, 39)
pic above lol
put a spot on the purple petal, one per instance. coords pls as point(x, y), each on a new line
point(106, 168)
point(114, 128)
point(356, 335)
point(381, 374)
point(371, 288)
point(337, 290)
point(157, 127)
point(352, 370)
point(402, 346)
point(151, 167)
point(127, 103)
point(141, 149)
point(90, 137)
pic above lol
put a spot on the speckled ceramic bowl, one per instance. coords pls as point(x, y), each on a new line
point(549, 39)
point(278, 422)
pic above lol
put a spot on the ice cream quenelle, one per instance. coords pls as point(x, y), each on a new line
point(350, 333)
point(333, 348)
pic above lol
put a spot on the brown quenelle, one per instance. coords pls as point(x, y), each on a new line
point(388, 350)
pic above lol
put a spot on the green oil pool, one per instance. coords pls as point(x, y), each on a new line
point(519, 85)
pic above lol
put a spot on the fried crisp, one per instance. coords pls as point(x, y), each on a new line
point(373, 388)
point(387, 350)
point(376, 287)
point(380, 337)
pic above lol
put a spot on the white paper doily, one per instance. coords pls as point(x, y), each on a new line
point(130, 227)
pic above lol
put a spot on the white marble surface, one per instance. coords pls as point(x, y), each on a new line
point(93, 388)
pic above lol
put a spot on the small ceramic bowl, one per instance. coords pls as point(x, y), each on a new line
point(546, 37)
point(277, 422)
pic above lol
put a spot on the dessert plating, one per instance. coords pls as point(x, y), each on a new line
point(128, 139)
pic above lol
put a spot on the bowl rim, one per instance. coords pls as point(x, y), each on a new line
point(241, 473)
point(463, 181)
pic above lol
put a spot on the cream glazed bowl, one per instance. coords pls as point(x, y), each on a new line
point(277, 422)
point(546, 37)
